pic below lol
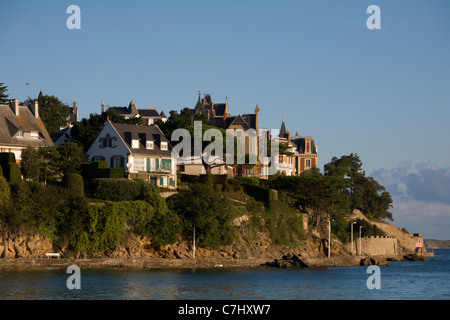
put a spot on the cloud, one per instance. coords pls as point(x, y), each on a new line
point(423, 182)
point(421, 197)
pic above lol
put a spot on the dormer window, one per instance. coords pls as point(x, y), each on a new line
point(135, 144)
point(34, 135)
point(164, 146)
point(19, 134)
point(149, 145)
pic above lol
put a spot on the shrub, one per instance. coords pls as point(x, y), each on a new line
point(263, 194)
point(7, 157)
point(12, 173)
point(75, 184)
point(104, 228)
point(122, 189)
point(99, 169)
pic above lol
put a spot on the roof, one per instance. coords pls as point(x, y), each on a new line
point(283, 130)
point(144, 113)
point(149, 113)
point(10, 124)
point(299, 142)
point(130, 132)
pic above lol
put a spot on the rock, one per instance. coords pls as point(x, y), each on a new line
point(414, 257)
point(288, 261)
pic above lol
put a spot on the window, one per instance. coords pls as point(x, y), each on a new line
point(19, 134)
point(308, 163)
point(163, 145)
point(34, 135)
point(135, 144)
point(149, 145)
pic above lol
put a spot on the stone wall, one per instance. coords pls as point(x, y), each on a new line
point(375, 246)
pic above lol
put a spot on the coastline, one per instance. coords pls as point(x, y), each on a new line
point(29, 264)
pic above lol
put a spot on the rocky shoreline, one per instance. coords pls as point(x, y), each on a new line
point(287, 261)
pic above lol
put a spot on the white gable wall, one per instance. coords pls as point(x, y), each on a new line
point(117, 148)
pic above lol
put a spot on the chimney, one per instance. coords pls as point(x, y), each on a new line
point(132, 108)
point(33, 106)
point(14, 105)
point(103, 106)
point(256, 118)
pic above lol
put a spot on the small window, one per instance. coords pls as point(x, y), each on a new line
point(34, 135)
point(163, 145)
point(150, 145)
point(135, 144)
point(308, 163)
point(19, 134)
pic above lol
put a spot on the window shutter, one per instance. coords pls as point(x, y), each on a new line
point(148, 164)
point(111, 162)
point(122, 162)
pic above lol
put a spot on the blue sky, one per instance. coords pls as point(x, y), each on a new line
point(383, 94)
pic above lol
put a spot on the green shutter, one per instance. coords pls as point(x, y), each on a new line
point(161, 181)
point(157, 164)
point(148, 164)
point(171, 182)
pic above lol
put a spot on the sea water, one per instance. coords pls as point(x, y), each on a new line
point(404, 280)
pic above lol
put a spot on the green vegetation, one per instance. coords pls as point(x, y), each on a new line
point(3, 93)
point(53, 112)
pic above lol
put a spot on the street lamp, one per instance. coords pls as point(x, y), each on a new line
point(360, 227)
point(329, 237)
point(351, 224)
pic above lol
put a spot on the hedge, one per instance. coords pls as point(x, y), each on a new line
point(120, 189)
point(99, 169)
point(7, 157)
point(74, 183)
point(213, 179)
point(12, 173)
point(263, 194)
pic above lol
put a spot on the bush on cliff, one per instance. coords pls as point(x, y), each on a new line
point(208, 211)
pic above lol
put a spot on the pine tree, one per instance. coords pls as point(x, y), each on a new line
point(3, 95)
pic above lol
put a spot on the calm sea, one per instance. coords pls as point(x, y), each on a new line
point(402, 280)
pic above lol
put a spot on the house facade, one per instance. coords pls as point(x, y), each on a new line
point(142, 151)
point(301, 153)
point(21, 126)
point(220, 115)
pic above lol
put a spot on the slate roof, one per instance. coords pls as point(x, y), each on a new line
point(300, 145)
point(10, 124)
point(144, 113)
point(144, 133)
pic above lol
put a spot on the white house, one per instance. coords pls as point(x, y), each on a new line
point(143, 151)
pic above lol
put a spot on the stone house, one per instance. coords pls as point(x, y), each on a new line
point(21, 126)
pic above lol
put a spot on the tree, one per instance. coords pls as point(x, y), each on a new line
point(29, 165)
point(3, 93)
point(206, 210)
point(313, 193)
point(364, 192)
point(53, 112)
point(71, 157)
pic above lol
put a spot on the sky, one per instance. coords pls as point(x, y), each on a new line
point(383, 94)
